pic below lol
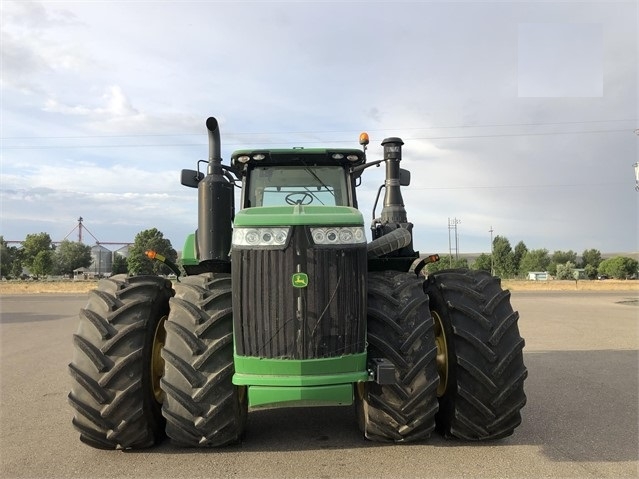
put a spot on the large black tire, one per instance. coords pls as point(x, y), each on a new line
point(400, 330)
point(202, 406)
point(480, 359)
point(114, 369)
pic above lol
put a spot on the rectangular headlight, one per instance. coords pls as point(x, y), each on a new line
point(339, 235)
point(256, 237)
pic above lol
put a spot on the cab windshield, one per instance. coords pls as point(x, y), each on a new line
point(297, 185)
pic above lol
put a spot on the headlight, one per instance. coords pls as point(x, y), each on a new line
point(339, 235)
point(260, 236)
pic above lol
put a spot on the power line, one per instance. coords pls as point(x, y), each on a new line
point(489, 125)
point(297, 142)
point(574, 185)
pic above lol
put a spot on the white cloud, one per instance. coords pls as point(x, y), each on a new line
point(560, 60)
point(88, 78)
point(115, 103)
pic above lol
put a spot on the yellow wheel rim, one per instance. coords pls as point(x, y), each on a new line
point(442, 354)
point(361, 389)
point(157, 362)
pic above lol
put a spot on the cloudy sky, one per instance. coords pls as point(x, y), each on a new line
point(519, 116)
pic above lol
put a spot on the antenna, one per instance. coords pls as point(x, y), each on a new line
point(80, 227)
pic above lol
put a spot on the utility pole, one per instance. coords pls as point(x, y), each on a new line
point(453, 225)
point(492, 258)
point(450, 256)
point(636, 167)
point(456, 240)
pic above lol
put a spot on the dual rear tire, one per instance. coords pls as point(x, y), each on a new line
point(115, 370)
point(480, 355)
point(455, 345)
point(202, 407)
point(400, 330)
point(146, 363)
point(149, 359)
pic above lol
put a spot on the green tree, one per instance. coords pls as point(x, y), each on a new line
point(8, 256)
point(32, 245)
point(151, 239)
point(483, 262)
point(566, 270)
point(591, 257)
point(561, 257)
point(619, 267)
point(534, 260)
point(71, 255)
point(445, 263)
point(42, 264)
point(16, 268)
point(119, 264)
point(518, 254)
point(503, 257)
point(5, 258)
point(590, 271)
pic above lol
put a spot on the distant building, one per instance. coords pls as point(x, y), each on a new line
point(579, 273)
point(538, 276)
point(101, 260)
point(83, 273)
point(124, 251)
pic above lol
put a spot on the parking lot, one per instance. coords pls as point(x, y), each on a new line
point(581, 419)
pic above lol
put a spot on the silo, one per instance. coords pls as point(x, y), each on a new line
point(124, 251)
point(101, 260)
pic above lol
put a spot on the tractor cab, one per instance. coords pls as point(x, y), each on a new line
point(297, 176)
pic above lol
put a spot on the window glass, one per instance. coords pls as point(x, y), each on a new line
point(291, 185)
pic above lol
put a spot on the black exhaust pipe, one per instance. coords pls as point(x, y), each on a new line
point(216, 207)
point(215, 155)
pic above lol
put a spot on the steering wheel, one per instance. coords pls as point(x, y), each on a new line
point(305, 198)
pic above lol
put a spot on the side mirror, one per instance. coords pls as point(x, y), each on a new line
point(404, 177)
point(191, 178)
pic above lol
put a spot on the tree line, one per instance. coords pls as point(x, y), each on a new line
point(41, 257)
point(508, 262)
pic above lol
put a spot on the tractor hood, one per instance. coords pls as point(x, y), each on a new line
point(298, 215)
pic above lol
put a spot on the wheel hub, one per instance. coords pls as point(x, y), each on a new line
point(157, 362)
point(442, 354)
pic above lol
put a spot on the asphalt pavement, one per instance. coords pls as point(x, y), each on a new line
point(581, 419)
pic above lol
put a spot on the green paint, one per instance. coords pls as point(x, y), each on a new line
point(332, 395)
point(309, 382)
point(298, 215)
point(189, 252)
point(299, 280)
point(293, 372)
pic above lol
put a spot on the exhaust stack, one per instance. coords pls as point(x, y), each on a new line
point(215, 155)
point(215, 205)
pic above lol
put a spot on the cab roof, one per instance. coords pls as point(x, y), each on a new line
point(298, 156)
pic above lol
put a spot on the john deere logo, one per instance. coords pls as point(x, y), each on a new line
point(300, 280)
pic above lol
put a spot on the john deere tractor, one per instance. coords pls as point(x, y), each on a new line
point(285, 303)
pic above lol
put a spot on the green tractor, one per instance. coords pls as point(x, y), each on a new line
point(286, 304)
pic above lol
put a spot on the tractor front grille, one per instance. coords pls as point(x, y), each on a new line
point(274, 319)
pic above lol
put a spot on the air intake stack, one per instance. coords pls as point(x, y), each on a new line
point(393, 215)
point(393, 210)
